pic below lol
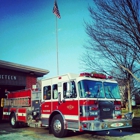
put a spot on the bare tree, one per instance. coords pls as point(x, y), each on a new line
point(114, 42)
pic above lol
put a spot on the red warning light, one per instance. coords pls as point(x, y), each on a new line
point(59, 77)
point(85, 75)
point(100, 76)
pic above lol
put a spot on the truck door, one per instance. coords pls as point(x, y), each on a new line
point(46, 106)
point(65, 100)
point(69, 103)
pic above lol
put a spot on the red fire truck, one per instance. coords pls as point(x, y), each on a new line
point(85, 102)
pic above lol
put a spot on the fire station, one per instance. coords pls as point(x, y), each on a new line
point(16, 77)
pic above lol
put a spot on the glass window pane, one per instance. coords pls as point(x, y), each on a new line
point(69, 90)
point(47, 92)
point(111, 90)
point(55, 91)
point(90, 89)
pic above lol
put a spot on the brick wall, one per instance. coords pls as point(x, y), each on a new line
point(30, 80)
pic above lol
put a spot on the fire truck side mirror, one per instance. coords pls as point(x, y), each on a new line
point(59, 97)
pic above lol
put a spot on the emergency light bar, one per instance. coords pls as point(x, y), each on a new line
point(110, 77)
point(93, 75)
point(96, 75)
point(85, 75)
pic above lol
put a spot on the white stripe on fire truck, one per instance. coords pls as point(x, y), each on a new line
point(21, 114)
point(6, 113)
point(67, 117)
point(45, 115)
point(71, 117)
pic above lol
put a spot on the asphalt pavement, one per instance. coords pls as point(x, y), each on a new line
point(28, 133)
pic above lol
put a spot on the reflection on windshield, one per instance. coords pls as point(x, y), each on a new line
point(111, 90)
point(98, 89)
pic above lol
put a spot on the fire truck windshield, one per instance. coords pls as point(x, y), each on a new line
point(98, 89)
point(111, 90)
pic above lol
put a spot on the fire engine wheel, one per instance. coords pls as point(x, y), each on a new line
point(57, 126)
point(13, 122)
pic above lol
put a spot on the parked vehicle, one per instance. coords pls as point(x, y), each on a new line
point(69, 102)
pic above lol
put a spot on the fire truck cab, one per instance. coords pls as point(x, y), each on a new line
point(90, 102)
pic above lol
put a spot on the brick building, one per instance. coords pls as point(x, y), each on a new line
point(16, 77)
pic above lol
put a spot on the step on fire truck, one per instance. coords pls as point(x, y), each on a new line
point(85, 102)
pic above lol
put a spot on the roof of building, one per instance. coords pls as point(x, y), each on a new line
point(23, 68)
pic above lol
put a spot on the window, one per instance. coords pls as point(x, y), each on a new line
point(90, 89)
point(98, 89)
point(47, 93)
point(111, 90)
point(64, 89)
point(69, 90)
point(55, 91)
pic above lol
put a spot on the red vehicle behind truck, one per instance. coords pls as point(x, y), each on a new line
point(85, 102)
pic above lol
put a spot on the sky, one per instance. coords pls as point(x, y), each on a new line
point(28, 34)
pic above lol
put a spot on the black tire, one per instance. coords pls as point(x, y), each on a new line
point(13, 122)
point(57, 126)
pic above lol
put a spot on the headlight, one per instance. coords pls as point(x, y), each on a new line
point(93, 113)
point(118, 112)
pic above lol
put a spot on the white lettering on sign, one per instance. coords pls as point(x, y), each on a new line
point(8, 77)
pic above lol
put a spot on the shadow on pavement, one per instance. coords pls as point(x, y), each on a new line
point(136, 126)
point(112, 133)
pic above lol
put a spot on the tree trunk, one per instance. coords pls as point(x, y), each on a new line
point(126, 106)
point(129, 97)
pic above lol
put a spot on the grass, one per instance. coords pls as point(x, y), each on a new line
point(135, 110)
point(135, 121)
